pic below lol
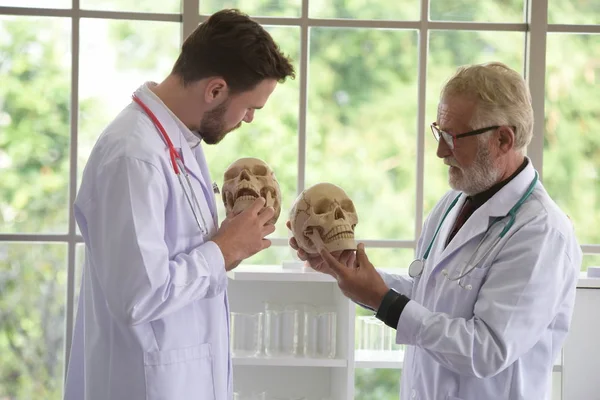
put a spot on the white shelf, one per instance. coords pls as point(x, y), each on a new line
point(395, 360)
point(290, 362)
point(379, 359)
point(586, 282)
point(291, 283)
point(277, 273)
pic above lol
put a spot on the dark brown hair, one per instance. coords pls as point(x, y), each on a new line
point(232, 46)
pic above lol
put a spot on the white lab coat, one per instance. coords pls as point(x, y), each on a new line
point(499, 340)
point(152, 320)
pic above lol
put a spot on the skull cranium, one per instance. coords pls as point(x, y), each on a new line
point(326, 209)
point(245, 180)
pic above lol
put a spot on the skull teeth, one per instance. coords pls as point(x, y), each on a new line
point(246, 198)
point(246, 192)
point(340, 236)
point(339, 230)
point(337, 233)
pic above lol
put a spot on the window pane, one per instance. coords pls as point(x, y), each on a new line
point(34, 120)
point(36, 3)
point(79, 260)
point(152, 6)
point(447, 51)
point(390, 257)
point(33, 279)
point(272, 136)
point(258, 8)
point(574, 12)
point(407, 10)
point(362, 105)
point(590, 260)
point(274, 255)
point(572, 143)
point(477, 10)
point(116, 57)
point(556, 386)
point(380, 384)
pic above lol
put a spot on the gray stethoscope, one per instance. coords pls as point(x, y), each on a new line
point(417, 266)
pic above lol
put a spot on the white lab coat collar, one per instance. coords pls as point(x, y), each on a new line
point(194, 161)
point(499, 205)
point(189, 136)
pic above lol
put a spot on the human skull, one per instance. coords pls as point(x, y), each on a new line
point(327, 209)
point(245, 180)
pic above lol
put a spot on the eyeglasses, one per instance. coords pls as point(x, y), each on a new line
point(451, 139)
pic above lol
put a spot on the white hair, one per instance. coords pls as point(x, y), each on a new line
point(501, 95)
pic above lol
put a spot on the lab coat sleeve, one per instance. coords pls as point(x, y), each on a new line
point(528, 282)
point(126, 231)
point(401, 284)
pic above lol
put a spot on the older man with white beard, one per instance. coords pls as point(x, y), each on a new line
point(488, 301)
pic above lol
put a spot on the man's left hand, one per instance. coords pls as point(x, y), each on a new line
point(361, 283)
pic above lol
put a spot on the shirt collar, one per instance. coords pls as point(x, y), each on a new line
point(189, 136)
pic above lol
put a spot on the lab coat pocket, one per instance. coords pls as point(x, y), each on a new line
point(185, 373)
point(459, 297)
point(473, 280)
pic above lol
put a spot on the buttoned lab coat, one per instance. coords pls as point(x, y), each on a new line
point(499, 340)
point(152, 320)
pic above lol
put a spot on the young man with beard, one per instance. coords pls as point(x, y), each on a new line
point(152, 320)
point(487, 304)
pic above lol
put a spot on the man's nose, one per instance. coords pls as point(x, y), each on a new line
point(443, 150)
point(249, 117)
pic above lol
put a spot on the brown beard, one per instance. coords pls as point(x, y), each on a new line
point(212, 127)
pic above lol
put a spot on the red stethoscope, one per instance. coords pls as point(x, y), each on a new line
point(178, 167)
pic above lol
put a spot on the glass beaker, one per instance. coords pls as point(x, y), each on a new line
point(374, 339)
point(360, 333)
point(326, 334)
point(309, 334)
point(246, 334)
point(282, 330)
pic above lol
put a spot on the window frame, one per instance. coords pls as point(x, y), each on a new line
point(535, 26)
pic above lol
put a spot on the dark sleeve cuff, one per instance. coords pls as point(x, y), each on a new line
point(391, 307)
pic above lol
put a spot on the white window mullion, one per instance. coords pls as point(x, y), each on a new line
point(190, 17)
point(421, 108)
point(535, 73)
point(302, 74)
point(74, 127)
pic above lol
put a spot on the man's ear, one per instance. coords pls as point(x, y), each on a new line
point(505, 137)
point(216, 89)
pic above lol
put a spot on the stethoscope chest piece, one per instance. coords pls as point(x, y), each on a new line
point(415, 268)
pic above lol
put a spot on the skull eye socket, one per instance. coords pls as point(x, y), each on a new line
point(232, 173)
point(347, 205)
point(259, 170)
point(322, 207)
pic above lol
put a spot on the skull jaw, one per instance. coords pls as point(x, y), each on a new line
point(342, 244)
point(242, 203)
point(332, 246)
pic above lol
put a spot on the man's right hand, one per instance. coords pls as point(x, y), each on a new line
point(243, 235)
